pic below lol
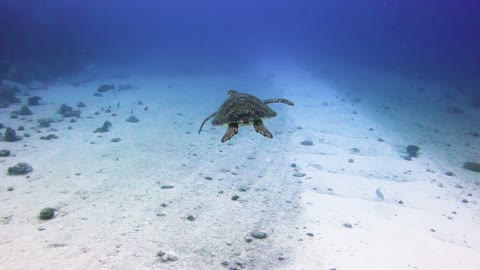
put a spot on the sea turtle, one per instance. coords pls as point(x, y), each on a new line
point(244, 109)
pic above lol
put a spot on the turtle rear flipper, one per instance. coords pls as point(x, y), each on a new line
point(232, 130)
point(206, 119)
point(260, 128)
point(279, 100)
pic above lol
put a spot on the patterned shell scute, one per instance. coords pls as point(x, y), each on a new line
point(242, 108)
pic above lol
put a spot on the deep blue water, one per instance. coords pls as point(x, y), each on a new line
point(431, 39)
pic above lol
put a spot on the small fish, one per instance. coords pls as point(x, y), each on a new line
point(379, 195)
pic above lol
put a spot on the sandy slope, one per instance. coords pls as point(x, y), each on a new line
point(114, 214)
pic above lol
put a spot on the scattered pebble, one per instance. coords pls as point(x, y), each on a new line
point(258, 235)
point(307, 143)
point(190, 217)
point(350, 160)
point(208, 178)
point(355, 150)
point(449, 173)
point(297, 174)
point(115, 140)
point(235, 197)
point(347, 225)
point(166, 187)
point(310, 234)
point(46, 213)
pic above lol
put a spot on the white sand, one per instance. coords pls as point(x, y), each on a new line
point(108, 195)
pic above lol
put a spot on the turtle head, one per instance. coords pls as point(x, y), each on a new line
point(232, 92)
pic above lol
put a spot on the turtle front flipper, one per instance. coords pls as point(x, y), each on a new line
point(279, 100)
point(260, 128)
point(232, 130)
point(206, 119)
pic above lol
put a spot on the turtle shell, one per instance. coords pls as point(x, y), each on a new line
point(242, 108)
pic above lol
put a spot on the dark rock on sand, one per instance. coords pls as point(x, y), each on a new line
point(67, 111)
point(472, 166)
point(20, 168)
point(105, 88)
point(132, 119)
point(10, 135)
point(34, 101)
point(49, 137)
point(46, 213)
point(307, 143)
point(258, 235)
point(115, 140)
point(81, 105)
point(412, 150)
point(4, 153)
point(106, 127)
point(8, 95)
point(25, 111)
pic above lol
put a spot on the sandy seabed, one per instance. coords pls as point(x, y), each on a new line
point(114, 209)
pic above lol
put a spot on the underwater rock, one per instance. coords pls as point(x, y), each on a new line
point(132, 119)
point(81, 105)
point(34, 101)
point(49, 137)
point(106, 127)
point(4, 153)
point(45, 122)
point(20, 168)
point(67, 111)
point(46, 213)
point(10, 135)
point(297, 174)
point(412, 150)
point(124, 87)
point(347, 225)
point(354, 150)
point(25, 111)
point(472, 166)
point(307, 143)
point(8, 95)
point(105, 87)
point(258, 235)
point(115, 140)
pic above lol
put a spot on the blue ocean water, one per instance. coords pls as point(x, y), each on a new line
point(371, 162)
